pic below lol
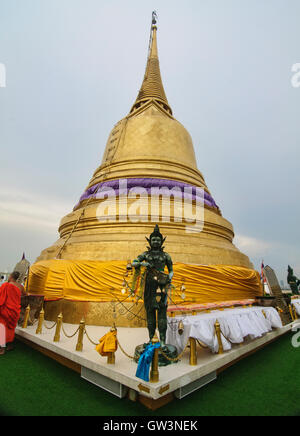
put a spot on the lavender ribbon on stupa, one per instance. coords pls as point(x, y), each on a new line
point(148, 184)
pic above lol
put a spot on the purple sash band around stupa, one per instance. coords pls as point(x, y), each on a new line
point(147, 184)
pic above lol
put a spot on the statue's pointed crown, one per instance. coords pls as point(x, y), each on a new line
point(152, 87)
point(156, 232)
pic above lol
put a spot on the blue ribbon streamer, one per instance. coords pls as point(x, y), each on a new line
point(145, 361)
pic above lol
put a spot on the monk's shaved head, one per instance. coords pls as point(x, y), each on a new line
point(15, 275)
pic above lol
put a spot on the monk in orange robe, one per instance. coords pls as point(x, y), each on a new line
point(10, 307)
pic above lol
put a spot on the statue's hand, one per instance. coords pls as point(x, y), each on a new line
point(146, 264)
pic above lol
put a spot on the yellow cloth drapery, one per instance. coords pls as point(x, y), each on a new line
point(108, 343)
point(102, 281)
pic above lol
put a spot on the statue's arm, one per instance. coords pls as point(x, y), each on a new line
point(170, 266)
point(137, 262)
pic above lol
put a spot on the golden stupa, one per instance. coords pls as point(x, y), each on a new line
point(147, 149)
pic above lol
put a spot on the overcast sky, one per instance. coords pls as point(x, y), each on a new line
point(74, 68)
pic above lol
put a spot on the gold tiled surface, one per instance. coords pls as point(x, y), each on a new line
point(95, 313)
point(148, 143)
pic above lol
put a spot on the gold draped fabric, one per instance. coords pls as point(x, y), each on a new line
point(107, 344)
point(102, 281)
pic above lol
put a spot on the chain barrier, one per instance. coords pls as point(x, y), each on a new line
point(49, 328)
point(201, 344)
point(92, 342)
point(123, 351)
point(175, 359)
point(226, 337)
point(64, 332)
point(32, 323)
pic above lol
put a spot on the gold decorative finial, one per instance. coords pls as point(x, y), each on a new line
point(152, 87)
point(154, 18)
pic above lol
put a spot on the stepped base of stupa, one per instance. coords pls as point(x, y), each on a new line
point(125, 240)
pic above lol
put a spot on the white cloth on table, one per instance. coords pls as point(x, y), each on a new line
point(296, 304)
point(235, 325)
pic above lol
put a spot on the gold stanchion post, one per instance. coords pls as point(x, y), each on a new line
point(26, 317)
point(193, 352)
point(218, 333)
point(41, 321)
point(111, 358)
point(280, 311)
point(79, 345)
point(58, 327)
point(154, 374)
point(295, 312)
point(291, 312)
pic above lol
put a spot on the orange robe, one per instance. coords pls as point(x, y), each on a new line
point(10, 307)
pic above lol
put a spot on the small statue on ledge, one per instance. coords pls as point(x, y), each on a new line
point(293, 281)
point(157, 284)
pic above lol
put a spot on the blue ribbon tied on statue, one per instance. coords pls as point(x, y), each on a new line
point(145, 361)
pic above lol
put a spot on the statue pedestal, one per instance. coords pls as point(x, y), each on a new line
point(169, 350)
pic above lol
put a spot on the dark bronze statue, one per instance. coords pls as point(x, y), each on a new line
point(293, 281)
point(157, 284)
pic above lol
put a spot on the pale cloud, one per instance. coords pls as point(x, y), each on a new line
point(252, 246)
point(276, 254)
point(31, 210)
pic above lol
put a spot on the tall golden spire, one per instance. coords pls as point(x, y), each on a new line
point(152, 87)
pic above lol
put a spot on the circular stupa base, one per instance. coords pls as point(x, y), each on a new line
point(97, 313)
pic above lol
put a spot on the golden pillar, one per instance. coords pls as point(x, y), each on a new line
point(291, 312)
point(40, 322)
point(58, 328)
point(111, 358)
point(79, 345)
point(295, 312)
point(193, 352)
point(218, 333)
point(26, 317)
point(154, 374)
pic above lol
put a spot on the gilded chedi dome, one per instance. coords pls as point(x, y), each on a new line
point(148, 149)
point(148, 175)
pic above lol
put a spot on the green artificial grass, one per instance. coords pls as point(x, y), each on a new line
point(265, 383)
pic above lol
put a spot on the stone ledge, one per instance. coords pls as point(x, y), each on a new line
point(171, 378)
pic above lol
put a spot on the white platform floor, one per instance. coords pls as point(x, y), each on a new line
point(176, 375)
